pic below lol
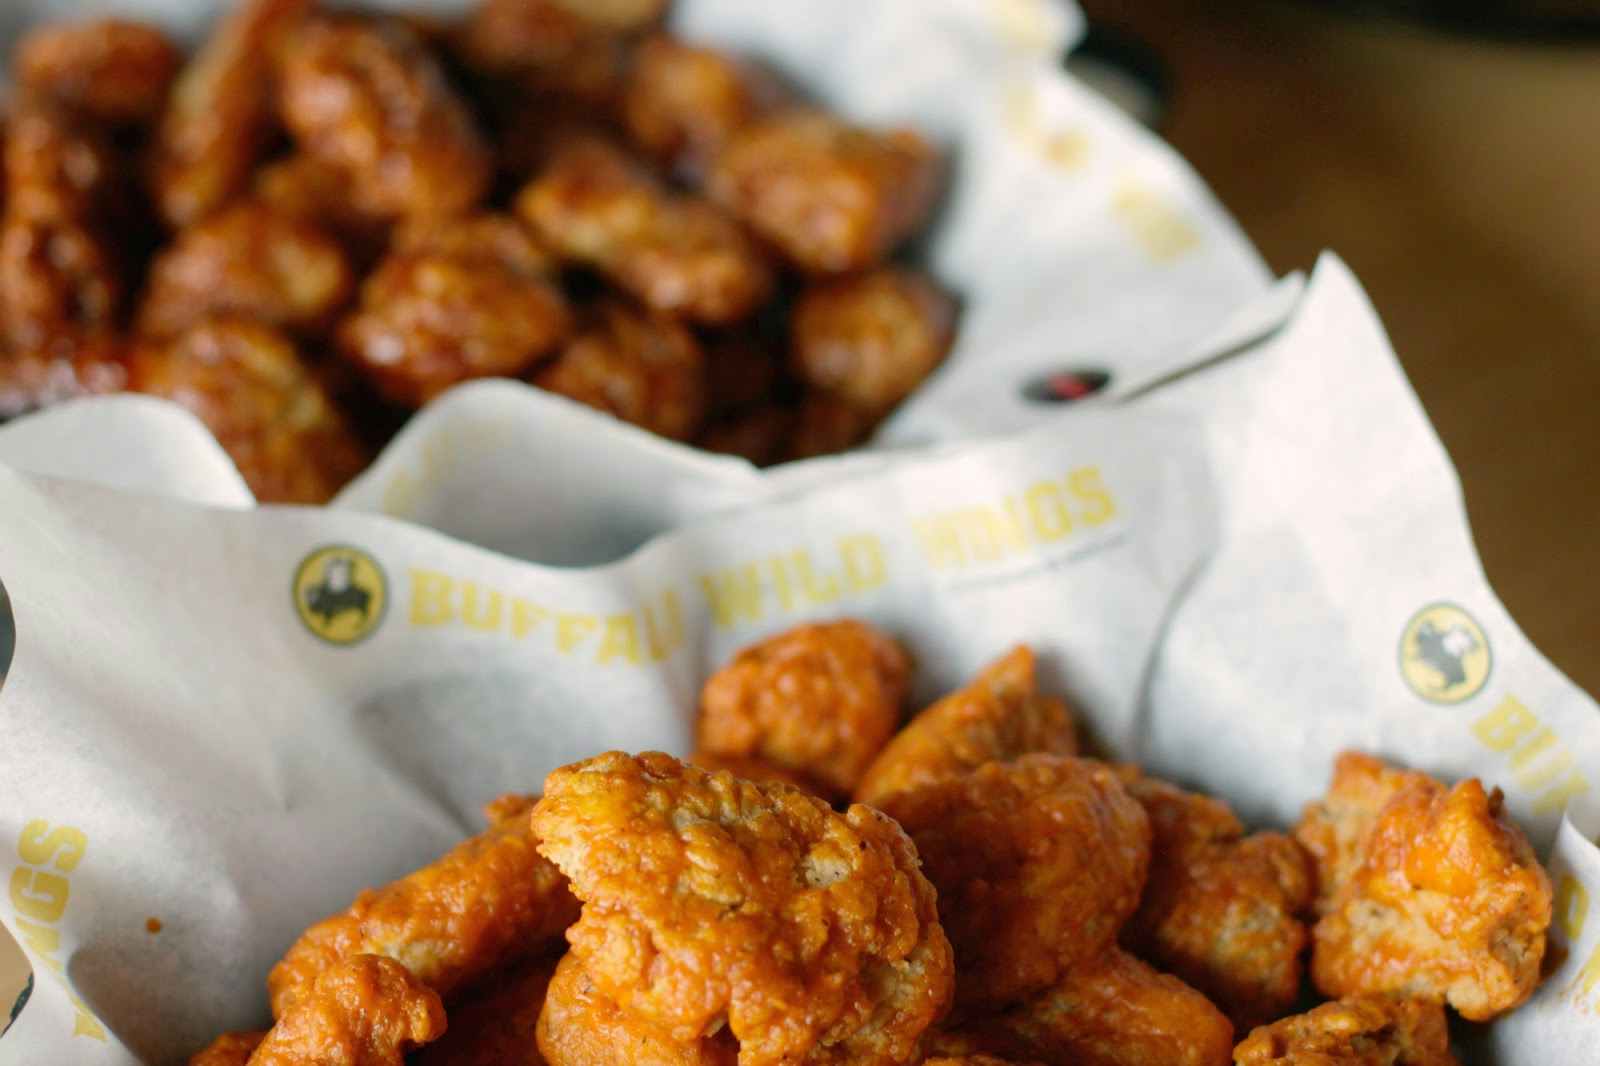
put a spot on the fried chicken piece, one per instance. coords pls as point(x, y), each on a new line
point(454, 300)
point(758, 435)
point(251, 261)
point(113, 70)
point(640, 367)
point(819, 700)
point(581, 1026)
point(497, 1027)
point(712, 901)
point(832, 197)
point(872, 338)
point(826, 425)
point(1334, 830)
point(1037, 862)
point(60, 290)
point(219, 115)
point(305, 188)
point(365, 1010)
point(1447, 901)
point(229, 1049)
point(367, 97)
point(30, 381)
point(57, 166)
point(1000, 716)
point(971, 1060)
point(742, 371)
point(1360, 1031)
point(754, 770)
point(485, 904)
point(503, 37)
point(682, 104)
point(618, 16)
point(595, 206)
point(1112, 1011)
point(1220, 908)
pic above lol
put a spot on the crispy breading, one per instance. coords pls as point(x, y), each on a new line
point(1112, 1011)
point(454, 300)
point(1037, 862)
point(832, 197)
point(1220, 909)
point(635, 365)
point(1362, 1031)
point(595, 206)
point(1334, 830)
point(271, 414)
point(247, 260)
point(712, 901)
point(682, 103)
point(998, 717)
point(57, 165)
point(971, 1060)
point(219, 115)
point(754, 770)
point(820, 700)
point(486, 903)
point(496, 1025)
point(229, 1049)
point(114, 70)
point(368, 97)
point(60, 287)
point(30, 381)
point(1447, 901)
point(871, 338)
point(312, 190)
point(365, 1010)
point(581, 1026)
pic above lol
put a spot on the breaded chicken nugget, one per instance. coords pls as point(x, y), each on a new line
point(454, 300)
point(229, 1049)
point(872, 338)
point(1112, 1011)
point(1037, 862)
point(365, 1010)
point(819, 700)
point(496, 1027)
point(219, 114)
point(1363, 1031)
point(824, 424)
point(1220, 909)
point(30, 381)
point(60, 288)
point(634, 365)
point(1334, 830)
point(711, 901)
point(274, 418)
point(113, 70)
point(367, 97)
point(306, 188)
point(486, 903)
point(998, 717)
point(247, 260)
point(681, 103)
point(758, 435)
point(971, 1060)
point(754, 770)
point(595, 206)
point(581, 1026)
point(1447, 902)
point(57, 166)
point(833, 197)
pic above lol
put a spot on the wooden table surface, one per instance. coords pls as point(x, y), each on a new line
point(1459, 179)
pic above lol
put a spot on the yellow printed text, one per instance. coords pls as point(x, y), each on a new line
point(795, 580)
point(1541, 765)
point(1046, 512)
point(39, 893)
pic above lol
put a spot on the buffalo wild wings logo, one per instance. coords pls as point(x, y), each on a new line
point(340, 593)
point(1444, 654)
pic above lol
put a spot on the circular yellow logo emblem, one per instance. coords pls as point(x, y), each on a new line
point(340, 593)
point(1444, 654)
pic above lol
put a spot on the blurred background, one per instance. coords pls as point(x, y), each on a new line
point(1451, 153)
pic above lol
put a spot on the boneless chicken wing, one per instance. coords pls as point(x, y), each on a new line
point(1037, 863)
point(641, 367)
point(229, 1049)
point(1362, 1031)
point(596, 207)
point(683, 103)
point(1446, 900)
point(832, 197)
point(219, 115)
point(998, 717)
point(248, 260)
point(365, 1010)
point(114, 70)
point(454, 300)
point(820, 700)
point(484, 904)
point(710, 901)
point(1112, 1011)
point(870, 339)
point(582, 1026)
point(1220, 909)
point(496, 1026)
point(367, 97)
